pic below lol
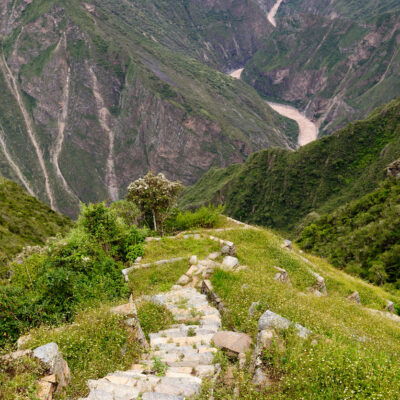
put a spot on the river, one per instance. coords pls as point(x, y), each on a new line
point(308, 130)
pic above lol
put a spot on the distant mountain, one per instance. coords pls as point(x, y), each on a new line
point(94, 94)
point(24, 221)
point(337, 60)
point(278, 188)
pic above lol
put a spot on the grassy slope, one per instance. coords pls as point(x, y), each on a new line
point(278, 188)
point(25, 220)
point(356, 352)
point(363, 236)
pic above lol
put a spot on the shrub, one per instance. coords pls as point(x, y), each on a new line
point(204, 217)
point(154, 317)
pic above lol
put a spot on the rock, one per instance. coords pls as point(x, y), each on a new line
point(23, 340)
point(214, 255)
point(230, 262)
point(269, 320)
point(206, 287)
point(253, 308)
point(44, 390)
point(287, 244)
point(50, 378)
point(354, 297)
point(393, 169)
point(320, 285)
point(16, 354)
point(241, 268)
point(183, 280)
point(282, 276)
point(228, 248)
point(390, 307)
point(234, 342)
point(128, 309)
point(193, 270)
point(260, 378)
point(51, 356)
point(315, 292)
point(193, 260)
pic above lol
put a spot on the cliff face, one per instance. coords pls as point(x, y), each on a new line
point(92, 98)
point(335, 67)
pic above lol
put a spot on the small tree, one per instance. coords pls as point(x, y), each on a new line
point(154, 194)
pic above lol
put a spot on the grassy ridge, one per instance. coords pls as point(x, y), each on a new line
point(24, 221)
point(278, 188)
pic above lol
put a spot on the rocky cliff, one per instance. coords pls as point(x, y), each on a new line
point(95, 94)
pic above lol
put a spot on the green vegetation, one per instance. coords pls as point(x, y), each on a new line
point(154, 317)
point(82, 269)
point(18, 377)
point(96, 344)
point(362, 237)
point(24, 221)
point(355, 352)
point(278, 188)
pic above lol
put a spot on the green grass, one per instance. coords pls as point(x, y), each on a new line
point(18, 378)
point(338, 366)
point(156, 279)
point(154, 317)
point(95, 345)
point(169, 248)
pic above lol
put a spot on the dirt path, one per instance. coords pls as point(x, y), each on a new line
point(272, 13)
point(104, 117)
point(12, 85)
point(308, 130)
point(13, 165)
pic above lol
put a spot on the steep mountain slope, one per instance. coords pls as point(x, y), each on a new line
point(335, 60)
point(93, 98)
point(278, 188)
point(362, 237)
point(24, 221)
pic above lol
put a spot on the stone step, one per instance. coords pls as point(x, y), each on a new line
point(118, 392)
point(201, 358)
point(160, 396)
point(126, 387)
point(183, 341)
point(169, 348)
point(133, 377)
point(183, 331)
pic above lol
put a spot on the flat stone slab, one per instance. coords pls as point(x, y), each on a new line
point(230, 262)
point(233, 341)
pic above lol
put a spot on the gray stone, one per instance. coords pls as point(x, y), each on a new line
point(270, 320)
point(51, 356)
point(214, 255)
point(228, 248)
point(287, 244)
point(235, 342)
point(230, 262)
point(160, 396)
point(354, 297)
point(260, 378)
point(282, 276)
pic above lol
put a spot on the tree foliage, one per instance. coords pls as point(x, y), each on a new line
point(155, 195)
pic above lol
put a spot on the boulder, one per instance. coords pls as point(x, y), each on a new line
point(44, 390)
point(393, 169)
point(269, 320)
point(354, 297)
point(193, 270)
point(230, 262)
point(128, 309)
point(53, 359)
point(234, 342)
point(282, 276)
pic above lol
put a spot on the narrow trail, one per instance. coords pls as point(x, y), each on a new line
point(104, 116)
point(308, 130)
point(13, 165)
point(272, 13)
point(12, 85)
point(62, 119)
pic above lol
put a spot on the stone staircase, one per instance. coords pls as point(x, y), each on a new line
point(185, 349)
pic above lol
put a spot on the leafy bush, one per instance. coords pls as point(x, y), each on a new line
point(204, 217)
point(80, 270)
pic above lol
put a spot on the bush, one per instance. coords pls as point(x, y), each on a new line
point(80, 270)
point(204, 217)
point(154, 317)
